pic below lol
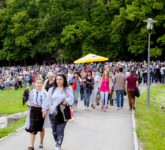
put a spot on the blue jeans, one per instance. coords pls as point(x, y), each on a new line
point(87, 98)
point(58, 131)
point(82, 96)
point(104, 99)
point(76, 92)
point(120, 98)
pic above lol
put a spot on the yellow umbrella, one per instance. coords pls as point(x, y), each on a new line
point(90, 58)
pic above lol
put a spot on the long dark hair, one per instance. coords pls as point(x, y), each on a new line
point(64, 78)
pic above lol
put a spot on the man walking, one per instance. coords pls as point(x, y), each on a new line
point(119, 82)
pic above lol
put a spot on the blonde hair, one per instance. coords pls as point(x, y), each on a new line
point(105, 74)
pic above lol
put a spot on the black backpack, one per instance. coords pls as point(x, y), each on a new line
point(25, 96)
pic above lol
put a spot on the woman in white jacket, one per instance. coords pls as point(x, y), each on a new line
point(58, 98)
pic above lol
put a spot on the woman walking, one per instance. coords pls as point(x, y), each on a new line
point(49, 82)
point(104, 90)
point(58, 100)
point(76, 89)
point(36, 99)
point(95, 91)
point(88, 87)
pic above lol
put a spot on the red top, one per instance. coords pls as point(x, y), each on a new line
point(131, 81)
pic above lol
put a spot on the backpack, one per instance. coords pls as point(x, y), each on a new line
point(25, 96)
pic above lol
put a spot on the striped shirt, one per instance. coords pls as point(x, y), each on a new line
point(37, 97)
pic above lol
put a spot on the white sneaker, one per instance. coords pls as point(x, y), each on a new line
point(57, 148)
point(88, 109)
point(85, 108)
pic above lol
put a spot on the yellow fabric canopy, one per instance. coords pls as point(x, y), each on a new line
point(90, 58)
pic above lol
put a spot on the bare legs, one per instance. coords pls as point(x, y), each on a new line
point(42, 134)
point(33, 136)
point(32, 140)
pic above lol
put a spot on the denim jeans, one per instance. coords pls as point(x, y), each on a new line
point(76, 92)
point(145, 79)
point(104, 99)
point(82, 96)
point(93, 96)
point(120, 98)
point(58, 131)
point(2, 87)
point(87, 98)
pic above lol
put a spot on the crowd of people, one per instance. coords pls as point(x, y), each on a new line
point(58, 89)
point(22, 76)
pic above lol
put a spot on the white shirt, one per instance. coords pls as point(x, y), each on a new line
point(37, 97)
point(57, 96)
point(97, 80)
point(162, 70)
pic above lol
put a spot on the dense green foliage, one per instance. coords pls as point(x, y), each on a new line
point(151, 123)
point(67, 29)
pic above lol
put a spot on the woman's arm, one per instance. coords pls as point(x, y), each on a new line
point(137, 83)
point(47, 102)
point(70, 97)
point(44, 86)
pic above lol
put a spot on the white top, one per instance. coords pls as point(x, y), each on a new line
point(57, 96)
point(162, 70)
point(37, 97)
point(97, 80)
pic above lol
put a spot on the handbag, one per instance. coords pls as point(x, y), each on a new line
point(137, 92)
point(62, 113)
point(65, 110)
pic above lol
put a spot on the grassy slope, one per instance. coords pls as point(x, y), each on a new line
point(11, 101)
point(151, 123)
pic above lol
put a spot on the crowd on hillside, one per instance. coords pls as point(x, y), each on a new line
point(23, 76)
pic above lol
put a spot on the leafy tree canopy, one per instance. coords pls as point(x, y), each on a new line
point(37, 30)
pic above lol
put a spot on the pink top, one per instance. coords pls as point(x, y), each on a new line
point(104, 87)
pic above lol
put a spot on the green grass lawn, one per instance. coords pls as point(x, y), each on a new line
point(151, 123)
point(12, 127)
point(11, 101)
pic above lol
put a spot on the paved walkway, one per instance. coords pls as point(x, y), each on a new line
point(90, 130)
